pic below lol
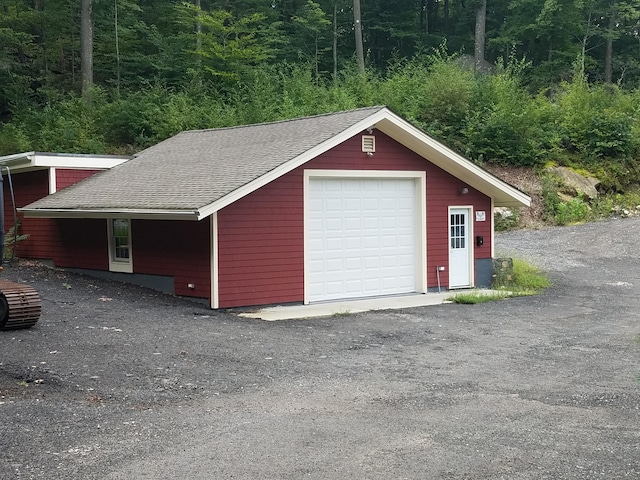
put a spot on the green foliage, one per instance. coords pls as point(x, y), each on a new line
point(527, 279)
point(507, 222)
point(11, 240)
point(616, 204)
point(474, 297)
point(507, 125)
point(550, 198)
point(559, 211)
point(571, 211)
point(597, 121)
point(12, 139)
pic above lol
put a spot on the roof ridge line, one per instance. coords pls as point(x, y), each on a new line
point(275, 122)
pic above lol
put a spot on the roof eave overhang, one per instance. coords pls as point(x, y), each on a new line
point(138, 214)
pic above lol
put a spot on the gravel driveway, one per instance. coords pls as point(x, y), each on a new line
point(118, 382)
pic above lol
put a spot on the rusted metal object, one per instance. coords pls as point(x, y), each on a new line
point(20, 306)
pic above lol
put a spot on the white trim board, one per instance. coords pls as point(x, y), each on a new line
point(215, 290)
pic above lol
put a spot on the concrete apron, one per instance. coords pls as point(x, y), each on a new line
point(344, 307)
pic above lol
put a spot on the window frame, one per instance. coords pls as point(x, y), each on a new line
point(119, 264)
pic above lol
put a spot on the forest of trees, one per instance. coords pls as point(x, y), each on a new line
point(520, 82)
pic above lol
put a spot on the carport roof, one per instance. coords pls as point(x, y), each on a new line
point(196, 173)
point(27, 161)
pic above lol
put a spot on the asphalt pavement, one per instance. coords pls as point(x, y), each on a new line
point(119, 382)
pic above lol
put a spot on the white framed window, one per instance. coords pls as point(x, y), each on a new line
point(120, 259)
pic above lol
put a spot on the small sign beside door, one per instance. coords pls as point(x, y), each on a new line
point(481, 216)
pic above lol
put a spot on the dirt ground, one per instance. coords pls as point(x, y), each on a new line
point(119, 382)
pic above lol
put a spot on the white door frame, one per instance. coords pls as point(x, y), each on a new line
point(421, 212)
point(470, 243)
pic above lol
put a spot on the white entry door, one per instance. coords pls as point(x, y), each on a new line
point(460, 248)
point(362, 236)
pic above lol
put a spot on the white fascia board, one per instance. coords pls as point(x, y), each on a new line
point(136, 214)
point(290, 165)
point(452, 162)
point(35, 160)
point(16, 158)
point(77, 161)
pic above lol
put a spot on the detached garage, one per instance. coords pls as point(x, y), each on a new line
point(345, 205)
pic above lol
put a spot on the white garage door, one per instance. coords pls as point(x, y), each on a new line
point(361, 237)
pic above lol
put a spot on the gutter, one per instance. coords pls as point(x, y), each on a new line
point(137, 214)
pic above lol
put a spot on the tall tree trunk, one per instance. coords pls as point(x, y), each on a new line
point(335, 40)
point(481, 23)
point(446, 16)
point(357, 21)
point(424, 16)
point(86, 49)
point(199, 41)
point(115, 20)
point(608, 55)
point(585, 39)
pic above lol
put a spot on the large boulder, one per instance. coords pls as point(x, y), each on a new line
point(574, 183)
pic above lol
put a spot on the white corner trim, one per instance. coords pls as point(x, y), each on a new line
point(215, 299)
point(493, 232)
point(53, 181)
point(421, 212)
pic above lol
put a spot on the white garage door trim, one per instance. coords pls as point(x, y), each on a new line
point(421, 220)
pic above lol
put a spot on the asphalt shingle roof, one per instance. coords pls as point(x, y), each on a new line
point(196, 168)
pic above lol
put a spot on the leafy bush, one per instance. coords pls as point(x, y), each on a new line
point(502, 223)
point(597, 121)
point(13, 139)
point(11, 240)
point(572, 211)
point(507, 125)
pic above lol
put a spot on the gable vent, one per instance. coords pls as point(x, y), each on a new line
point(368, 143)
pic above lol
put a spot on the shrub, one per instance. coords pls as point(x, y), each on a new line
point(507, 125)
point(572, 211)
point(597, 121)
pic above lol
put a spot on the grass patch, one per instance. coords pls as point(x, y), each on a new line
point(527, 279)
point(471, 298)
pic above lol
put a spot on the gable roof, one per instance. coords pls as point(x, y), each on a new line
point(196, 173)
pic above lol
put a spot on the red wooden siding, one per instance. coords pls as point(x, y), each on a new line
point(80, 243)
point(179, 249)
point(171, 248)
point(66, 177)
point(260, 240)
point(29, 187)
point(260, 237)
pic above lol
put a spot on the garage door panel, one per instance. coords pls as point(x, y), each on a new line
point(361, 237)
